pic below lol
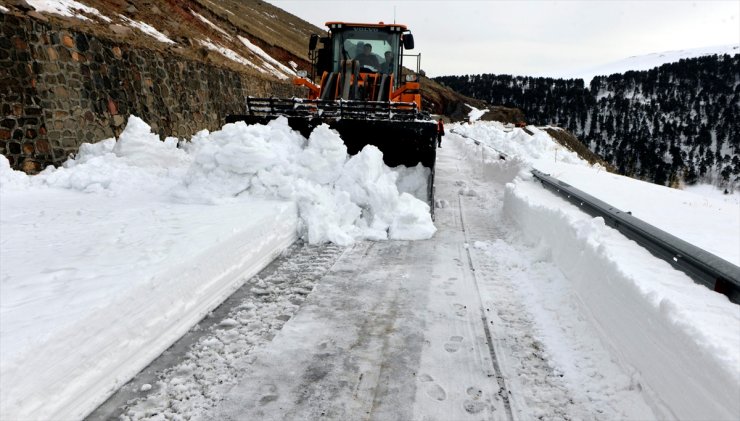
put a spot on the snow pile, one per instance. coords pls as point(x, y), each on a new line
point(139, 164)
point(340, 198)
point(10, 179)
point(537, 150)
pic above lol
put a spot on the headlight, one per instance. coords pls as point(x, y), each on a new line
point(410, 78)
point(302, 73)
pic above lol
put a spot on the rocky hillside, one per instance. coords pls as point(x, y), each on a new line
point(249, 36)
point(253, 37)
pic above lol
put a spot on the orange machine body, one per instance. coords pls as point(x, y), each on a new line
point(340, 71)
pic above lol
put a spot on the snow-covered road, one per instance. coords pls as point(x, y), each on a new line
point(514, 304)
point(434, 329)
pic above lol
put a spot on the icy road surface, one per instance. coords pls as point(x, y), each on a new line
point(472, 324)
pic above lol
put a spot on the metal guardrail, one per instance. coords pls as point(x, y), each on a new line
point(704, 267)
point(501, 155)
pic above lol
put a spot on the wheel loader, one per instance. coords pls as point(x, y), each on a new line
point(357, 87)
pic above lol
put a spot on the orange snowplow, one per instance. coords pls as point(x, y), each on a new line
point(357, 87)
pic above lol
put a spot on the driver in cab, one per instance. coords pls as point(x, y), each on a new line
point(367, 58)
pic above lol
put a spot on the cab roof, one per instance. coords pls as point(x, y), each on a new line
point(380, 25)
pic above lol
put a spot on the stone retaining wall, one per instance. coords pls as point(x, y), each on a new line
point(60, 88)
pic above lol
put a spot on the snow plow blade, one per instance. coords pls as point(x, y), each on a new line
point(405, 136)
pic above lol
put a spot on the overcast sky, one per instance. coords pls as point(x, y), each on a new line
point(537, 38)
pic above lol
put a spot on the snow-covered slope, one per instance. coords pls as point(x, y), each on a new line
point(648, 61)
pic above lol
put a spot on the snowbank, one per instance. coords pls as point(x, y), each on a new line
point(679, 339)
point(93, 290)
point(711, 223)
point(107, 260)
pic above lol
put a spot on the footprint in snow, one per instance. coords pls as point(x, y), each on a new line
point(475, 404)
point(474, 407)
point(269, 394)
point(436, 392)
point(474, 392)
point(460, 309)
point(454, 344)
point(433, 390)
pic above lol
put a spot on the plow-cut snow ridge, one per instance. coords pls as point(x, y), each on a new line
point(113, 283)
point(708, 222)
point(109, 259)
point(680, 339)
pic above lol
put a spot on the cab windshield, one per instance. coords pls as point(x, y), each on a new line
point(375, 49)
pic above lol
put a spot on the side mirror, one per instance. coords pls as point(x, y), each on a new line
point(408, 41)
point(312, 42)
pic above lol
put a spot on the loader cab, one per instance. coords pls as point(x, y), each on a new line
point(378, 47)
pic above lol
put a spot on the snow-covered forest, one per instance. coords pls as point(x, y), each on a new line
point(676, 123)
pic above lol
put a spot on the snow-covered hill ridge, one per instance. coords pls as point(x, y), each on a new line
point(649, 61)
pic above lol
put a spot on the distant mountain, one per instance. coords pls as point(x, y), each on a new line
point(672, 124)
point(648, 61)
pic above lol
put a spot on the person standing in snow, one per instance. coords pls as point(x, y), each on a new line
point(440, 132)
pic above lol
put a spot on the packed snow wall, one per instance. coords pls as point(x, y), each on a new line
point(660, 326)
point(60, 87)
